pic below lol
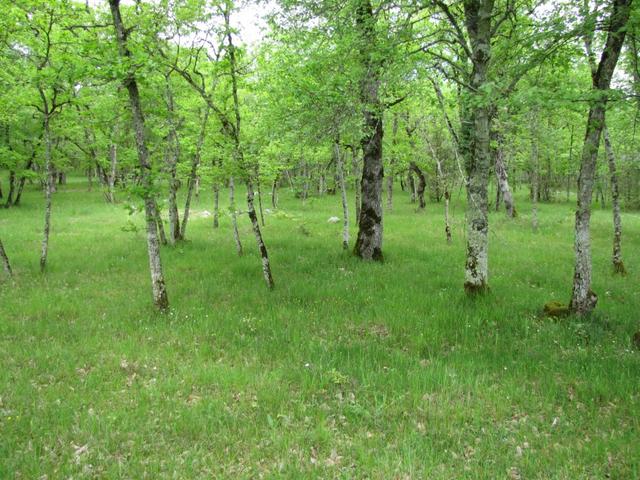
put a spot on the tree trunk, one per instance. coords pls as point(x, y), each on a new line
point(583, 299)
point(48, 188)
point(6, 266)
point(447, 198)
point(238, 155)
point(113, 164)
point(193, 174)
point(369, 242)
point(355, 165)
point(503, 183)
point(157, 215)
point(234, 215)
point(160, 297)
point(216, 205)
point(173, 154)
point(535, 168)
point(618, 264)
point(259, 197)
point(412, 187)
point(422, 184)
point(476, 146)
point(274, 193)
point(343, 195)
point(392, 163)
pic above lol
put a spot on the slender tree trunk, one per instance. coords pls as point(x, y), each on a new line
point(274, 193)
point(259, 198)
point(618, 264)
point(343, 195)
point(160, 297)
point(23, 180)
point(157, 215)
point(503, 183)
point(412, 186)
point(392, 163)
point(535, 167)
point(583, 299)
point(447, 198)
point(355, 165)
point(6, 266)
point(193, 174)
point(48, 188)
point(234, 214)
point(216, 205)
point(235, 133)
point(113, 163)
point(173, 153)
point(369, 242)
point(422, 184)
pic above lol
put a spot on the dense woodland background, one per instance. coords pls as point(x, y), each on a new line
point(390, 239)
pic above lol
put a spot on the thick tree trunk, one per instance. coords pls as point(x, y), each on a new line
point(193, 174)
point(160, 297)
point(583, 299)
point(618, 264)
point(369, 242)
point(48, 190)
point(476, 146)
point(6, 266)
point(343, 195)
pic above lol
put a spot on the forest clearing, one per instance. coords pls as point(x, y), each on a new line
point(345, 369)
point(361, 239)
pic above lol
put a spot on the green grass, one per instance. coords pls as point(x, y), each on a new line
point(345, 370)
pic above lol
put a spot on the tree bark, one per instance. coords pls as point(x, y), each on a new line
point(48, 189)
point(173, 153)
point(369, 241)
point(6, 266)
point(535, 170)
point(503, 182)
point(160, 297)
point(355, 166)
point(583, 299)
point(475, 144)
point(234, 215)
point(238, 155)
point(216, 205)
point(422, 185)
point(618, 264)
point(343, 195)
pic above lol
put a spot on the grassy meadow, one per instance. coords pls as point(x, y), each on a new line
point(345, 370)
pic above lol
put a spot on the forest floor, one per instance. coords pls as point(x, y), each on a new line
point(345, 370)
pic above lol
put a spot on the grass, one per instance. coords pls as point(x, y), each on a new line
point(345, 370)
